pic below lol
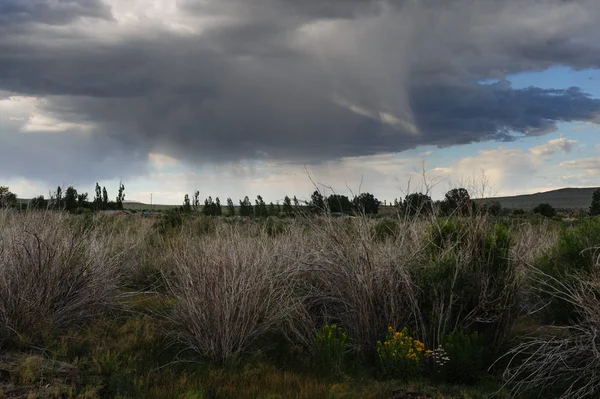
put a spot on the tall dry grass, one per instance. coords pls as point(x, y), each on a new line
point(563, 362)
point(361, 282)
point(231, 288)
point(57, 272)
point(240, 280)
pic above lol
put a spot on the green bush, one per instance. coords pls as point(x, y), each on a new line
point(575, 248)
point(169, 221)
point(386, 228)
point(545, 210)
point(575, 256)
point(329, 350)
point(466, 357)
point(467, 280)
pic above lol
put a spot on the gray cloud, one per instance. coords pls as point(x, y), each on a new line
point(52, 12)
point(301, 81)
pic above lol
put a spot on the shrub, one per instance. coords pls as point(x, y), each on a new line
point(545, 210)
point(466, 357)
point(361, 283)
point(54, 277)
point(329, 349)
point(467, 280)
point(169, 221)
point(230, 290)
point(574, 257)
point(563, 362)
point(400, 355)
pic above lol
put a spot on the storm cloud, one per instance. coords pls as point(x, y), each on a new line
point(300, 81)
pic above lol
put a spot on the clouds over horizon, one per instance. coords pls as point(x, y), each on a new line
point(107, 82)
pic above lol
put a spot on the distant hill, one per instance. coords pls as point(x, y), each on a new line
point(132, 202)
point(136, 206)
point(564, 198)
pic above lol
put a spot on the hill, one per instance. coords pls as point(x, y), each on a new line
point(564, 198)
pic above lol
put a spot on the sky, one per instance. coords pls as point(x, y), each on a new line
point(277, 97)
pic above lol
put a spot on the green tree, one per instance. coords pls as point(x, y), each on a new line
point(230, 208)
point(187, 208)
point(98, 197)
point(417, 204)
point(7, 198)
point(317, 202)
point(121, 196)
point(287, 206)
point(545, 210)
point(70, 201)
point(246, 207)
point(82, 200)
point(218, 211)
point(595, 205)
point(104, 198)
point(58, 198)
point(339, 204)
point(457, 201)
point(38, 203)
point(260, 208)
point(212, 208)
point(207, 209)
point(272, 210)
point(196, 202)
point(366, 203)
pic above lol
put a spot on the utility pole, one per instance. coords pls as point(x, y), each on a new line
point(150, 200)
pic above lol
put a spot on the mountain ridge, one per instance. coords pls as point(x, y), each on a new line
point(562, 198)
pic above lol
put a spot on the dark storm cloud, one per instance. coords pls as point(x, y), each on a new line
point(458, 115)
point(52, 12)
point(303, 81)
point(67, 157)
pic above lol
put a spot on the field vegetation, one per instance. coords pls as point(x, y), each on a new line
point(422, 304)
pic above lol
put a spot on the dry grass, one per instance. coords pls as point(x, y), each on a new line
point(231, 288)
point(239, 282)
point(231, 283)
point(360, 282)
point(563, 363)
point(55, 275)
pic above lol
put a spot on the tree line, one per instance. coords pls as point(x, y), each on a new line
point(456, 201)
point(68, 199)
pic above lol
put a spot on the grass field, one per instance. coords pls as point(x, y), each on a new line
point(305, 307)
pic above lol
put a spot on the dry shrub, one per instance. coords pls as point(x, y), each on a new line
point(565, 362)
point(532, 240)
point(359, 281)
point(54, 275)
point(433, 275)
point(243, 280)
point(231, 288)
